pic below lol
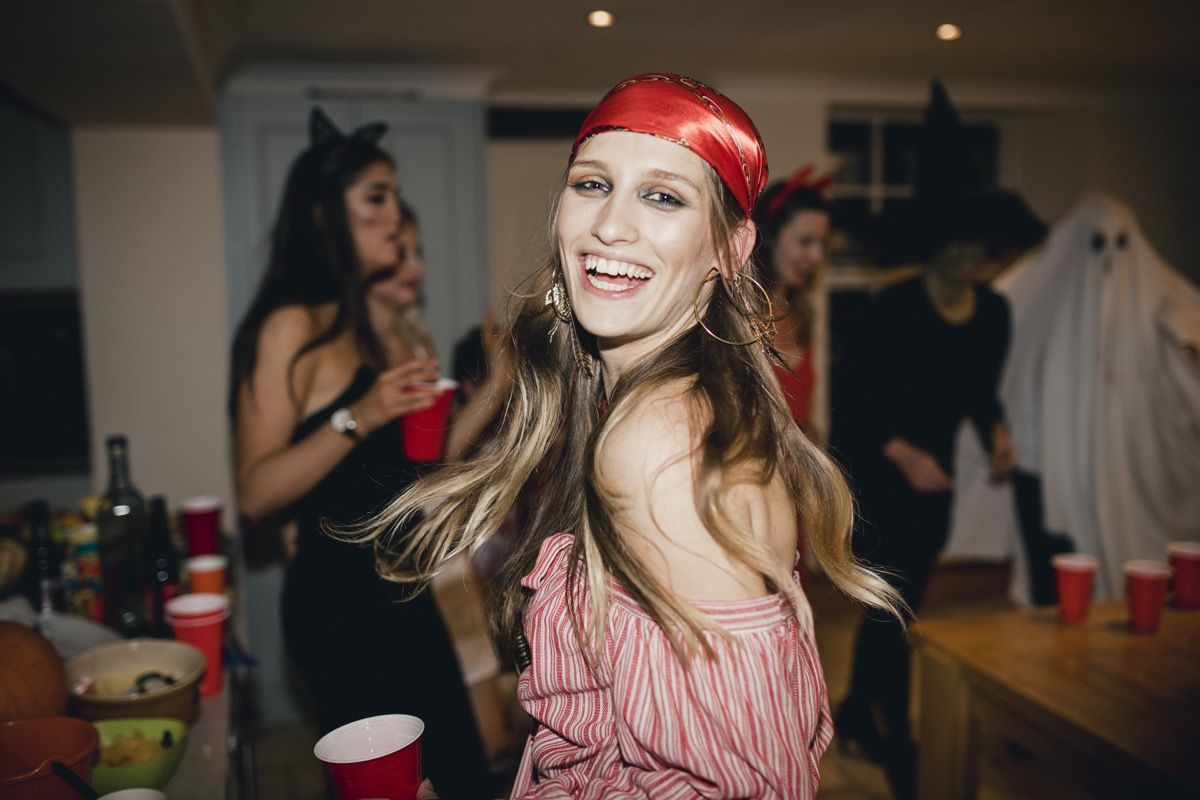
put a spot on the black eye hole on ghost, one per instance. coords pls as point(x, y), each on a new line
point(1122, 240)
point(1098, 242)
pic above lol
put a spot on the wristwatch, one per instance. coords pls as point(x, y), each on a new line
point(344, 423)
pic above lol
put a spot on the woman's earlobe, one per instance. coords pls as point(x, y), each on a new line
point(744, 237)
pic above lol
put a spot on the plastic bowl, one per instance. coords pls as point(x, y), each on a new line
point(151, 775)
point(27, 748)
point(100, 677)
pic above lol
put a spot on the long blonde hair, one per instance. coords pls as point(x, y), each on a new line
point(547, 446)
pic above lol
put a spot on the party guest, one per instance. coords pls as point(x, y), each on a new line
point(928, 355)
point(324, 366)
point(793, 226)
point(667, 643)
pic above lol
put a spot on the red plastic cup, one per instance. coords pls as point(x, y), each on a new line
point(1146, 588)
point(201, 524)
point(199, 620)
point(1074, 573)
point(425, 431)
point(206, 574)
point(374, 757)
point(1185, 564)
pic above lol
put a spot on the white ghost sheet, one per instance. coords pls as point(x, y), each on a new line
point(1102, 392)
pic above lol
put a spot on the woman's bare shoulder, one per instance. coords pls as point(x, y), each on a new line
point(655, 429)
point(287, 329)
point(650, 471)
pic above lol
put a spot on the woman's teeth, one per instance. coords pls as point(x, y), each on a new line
point(598, 269)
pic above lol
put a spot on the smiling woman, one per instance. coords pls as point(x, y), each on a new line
point(633, 236)
point(652, 592)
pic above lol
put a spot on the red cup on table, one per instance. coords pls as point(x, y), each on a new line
point(206, 574)
point(1074, 573)
point(425, 431)
point(1146, 588)
point(374, 757)
point(201, 524)
point(199, 620)
point(1185, 564)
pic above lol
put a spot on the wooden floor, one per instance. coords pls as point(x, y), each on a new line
point(287, 769)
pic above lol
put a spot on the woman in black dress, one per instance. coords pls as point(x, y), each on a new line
point(324, 366)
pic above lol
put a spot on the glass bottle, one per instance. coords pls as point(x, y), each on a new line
point(44, 582)
point(163, 575)
point(122, 525)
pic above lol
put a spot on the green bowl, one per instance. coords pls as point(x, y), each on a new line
point(153, 775)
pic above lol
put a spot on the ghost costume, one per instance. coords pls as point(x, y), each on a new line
point(1102, 388)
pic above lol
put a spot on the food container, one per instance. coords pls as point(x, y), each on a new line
point(151, 775)
point(103, 680)
point(27, 748)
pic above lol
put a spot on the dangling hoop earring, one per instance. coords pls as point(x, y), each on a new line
point(762, 334)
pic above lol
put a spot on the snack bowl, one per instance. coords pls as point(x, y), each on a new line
point(152, 774)
point(104, 681)
point(29, 746)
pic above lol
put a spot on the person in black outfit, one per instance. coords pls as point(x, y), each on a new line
point(929, 353)
point(324, 366)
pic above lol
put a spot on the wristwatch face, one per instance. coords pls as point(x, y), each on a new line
point(343, 422)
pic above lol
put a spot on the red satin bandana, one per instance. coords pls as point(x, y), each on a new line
point(688, 113)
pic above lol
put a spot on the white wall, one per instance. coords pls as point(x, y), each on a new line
point(151, 270)
point(1147, 157)
point(522, 177)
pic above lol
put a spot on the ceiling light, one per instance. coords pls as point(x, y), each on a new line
point(948, 32)
point(601, 19)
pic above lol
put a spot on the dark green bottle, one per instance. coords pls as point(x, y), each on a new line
point(121, 525)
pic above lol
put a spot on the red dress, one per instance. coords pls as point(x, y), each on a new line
point(798, 386)
point(751, 722)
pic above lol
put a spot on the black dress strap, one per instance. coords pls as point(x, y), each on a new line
point(363, 378)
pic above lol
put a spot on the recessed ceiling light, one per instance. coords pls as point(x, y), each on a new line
point(601, 19)
point(949, 32)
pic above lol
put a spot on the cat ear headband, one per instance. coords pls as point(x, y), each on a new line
point(322, 130)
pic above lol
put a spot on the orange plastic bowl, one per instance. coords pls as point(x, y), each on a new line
point(28, 746)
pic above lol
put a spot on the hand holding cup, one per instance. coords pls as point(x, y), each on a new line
point(397, 392)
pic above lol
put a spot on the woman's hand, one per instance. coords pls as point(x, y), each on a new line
point(425, 791)
point(497, 353)
point(394, 395)
point(919, 467)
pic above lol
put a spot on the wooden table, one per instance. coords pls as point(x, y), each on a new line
point(1118, 712)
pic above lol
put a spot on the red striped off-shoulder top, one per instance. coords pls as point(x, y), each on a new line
point(752, 722)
